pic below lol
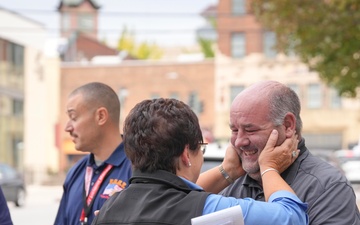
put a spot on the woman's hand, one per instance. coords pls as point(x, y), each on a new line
point(279, 157)
point(232, 163)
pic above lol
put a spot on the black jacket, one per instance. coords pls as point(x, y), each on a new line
point(153, 198)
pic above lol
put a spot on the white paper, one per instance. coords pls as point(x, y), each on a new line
point(230, 216)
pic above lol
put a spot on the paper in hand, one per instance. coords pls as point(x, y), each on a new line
point(230, 216)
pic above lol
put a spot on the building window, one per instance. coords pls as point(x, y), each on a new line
point(86, 22)
point(174, 95)
point(2, 50)
point(15, 56)
point(330, 141)
point(154, 96)
point(314, 96)
point(65, 21)
point(18, 107)
point(238, 7)
point(269, 41)
point(19, 59)
point(194, 102)
point(234, 91)
point(193, 99)
point(335, 99)
point(238, 47)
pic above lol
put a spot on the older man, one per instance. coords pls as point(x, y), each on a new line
point(254, 113)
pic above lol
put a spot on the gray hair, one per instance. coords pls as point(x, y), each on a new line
point(282, 100)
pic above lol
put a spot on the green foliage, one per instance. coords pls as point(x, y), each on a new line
point(148, 51)
point(126, 41)
point(143, 50)
point(325, 34)
point(206, 47)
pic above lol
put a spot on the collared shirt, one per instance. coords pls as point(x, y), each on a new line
point(283, 207)
point(5, 218)
point(72, 201)
point(330, 197)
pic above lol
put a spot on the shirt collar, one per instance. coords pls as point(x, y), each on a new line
point(191, 184)
point(115, 159)
point(290, 173)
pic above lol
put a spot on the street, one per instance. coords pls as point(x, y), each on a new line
point(42, 204)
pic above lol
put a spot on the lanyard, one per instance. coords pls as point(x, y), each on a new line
point(89, 196)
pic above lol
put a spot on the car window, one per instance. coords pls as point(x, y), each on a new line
point(7, 172)
point(1, 171)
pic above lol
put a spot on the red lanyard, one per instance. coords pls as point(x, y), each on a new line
point(89, 197)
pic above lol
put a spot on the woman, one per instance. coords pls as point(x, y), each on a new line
point(163, 140)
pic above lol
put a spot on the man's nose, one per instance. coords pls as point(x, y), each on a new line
point(242, 139)
point(68, 127)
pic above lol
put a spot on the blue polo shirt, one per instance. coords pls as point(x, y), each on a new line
point(72, 201)
point(5, 218)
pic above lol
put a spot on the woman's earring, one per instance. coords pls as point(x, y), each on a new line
point(189, 164)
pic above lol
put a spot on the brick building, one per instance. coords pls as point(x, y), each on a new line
point(245, 55)
point(134, 81)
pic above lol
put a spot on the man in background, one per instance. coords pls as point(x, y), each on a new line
point(94, 113)
point(5, 218)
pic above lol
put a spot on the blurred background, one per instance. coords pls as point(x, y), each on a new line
point(202, 52)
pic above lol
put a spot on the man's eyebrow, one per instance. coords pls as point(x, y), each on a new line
point(70, 110)
point(249, 125)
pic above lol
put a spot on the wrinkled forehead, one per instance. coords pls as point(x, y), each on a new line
point(249, 108)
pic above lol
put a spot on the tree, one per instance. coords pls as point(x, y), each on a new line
point(206, 47)
point(206, 36)
point(143, 50)
point(148, 51)
point(325, 34)
point(126, 41)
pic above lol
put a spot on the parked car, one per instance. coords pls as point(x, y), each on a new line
point(213, 156)
point(352, 170)
point(12, 184)
point(350, 164)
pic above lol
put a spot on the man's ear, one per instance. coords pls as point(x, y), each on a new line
point(102, 115)
point(290, 124)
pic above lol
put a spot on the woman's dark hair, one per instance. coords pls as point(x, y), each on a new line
point(157, 131)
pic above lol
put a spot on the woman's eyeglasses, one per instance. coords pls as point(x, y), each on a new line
point(203, 147)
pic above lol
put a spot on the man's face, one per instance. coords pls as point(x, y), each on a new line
point(81, 124)
point(250, 128)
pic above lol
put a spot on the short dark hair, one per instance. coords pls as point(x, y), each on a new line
point(97, 95)
point(156, 132)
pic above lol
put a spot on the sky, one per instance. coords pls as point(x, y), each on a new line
point(165, 22)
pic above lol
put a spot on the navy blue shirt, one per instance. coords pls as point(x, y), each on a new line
point(72, 201)
point(5, 218)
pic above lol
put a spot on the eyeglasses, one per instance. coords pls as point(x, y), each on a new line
point(203, 147)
